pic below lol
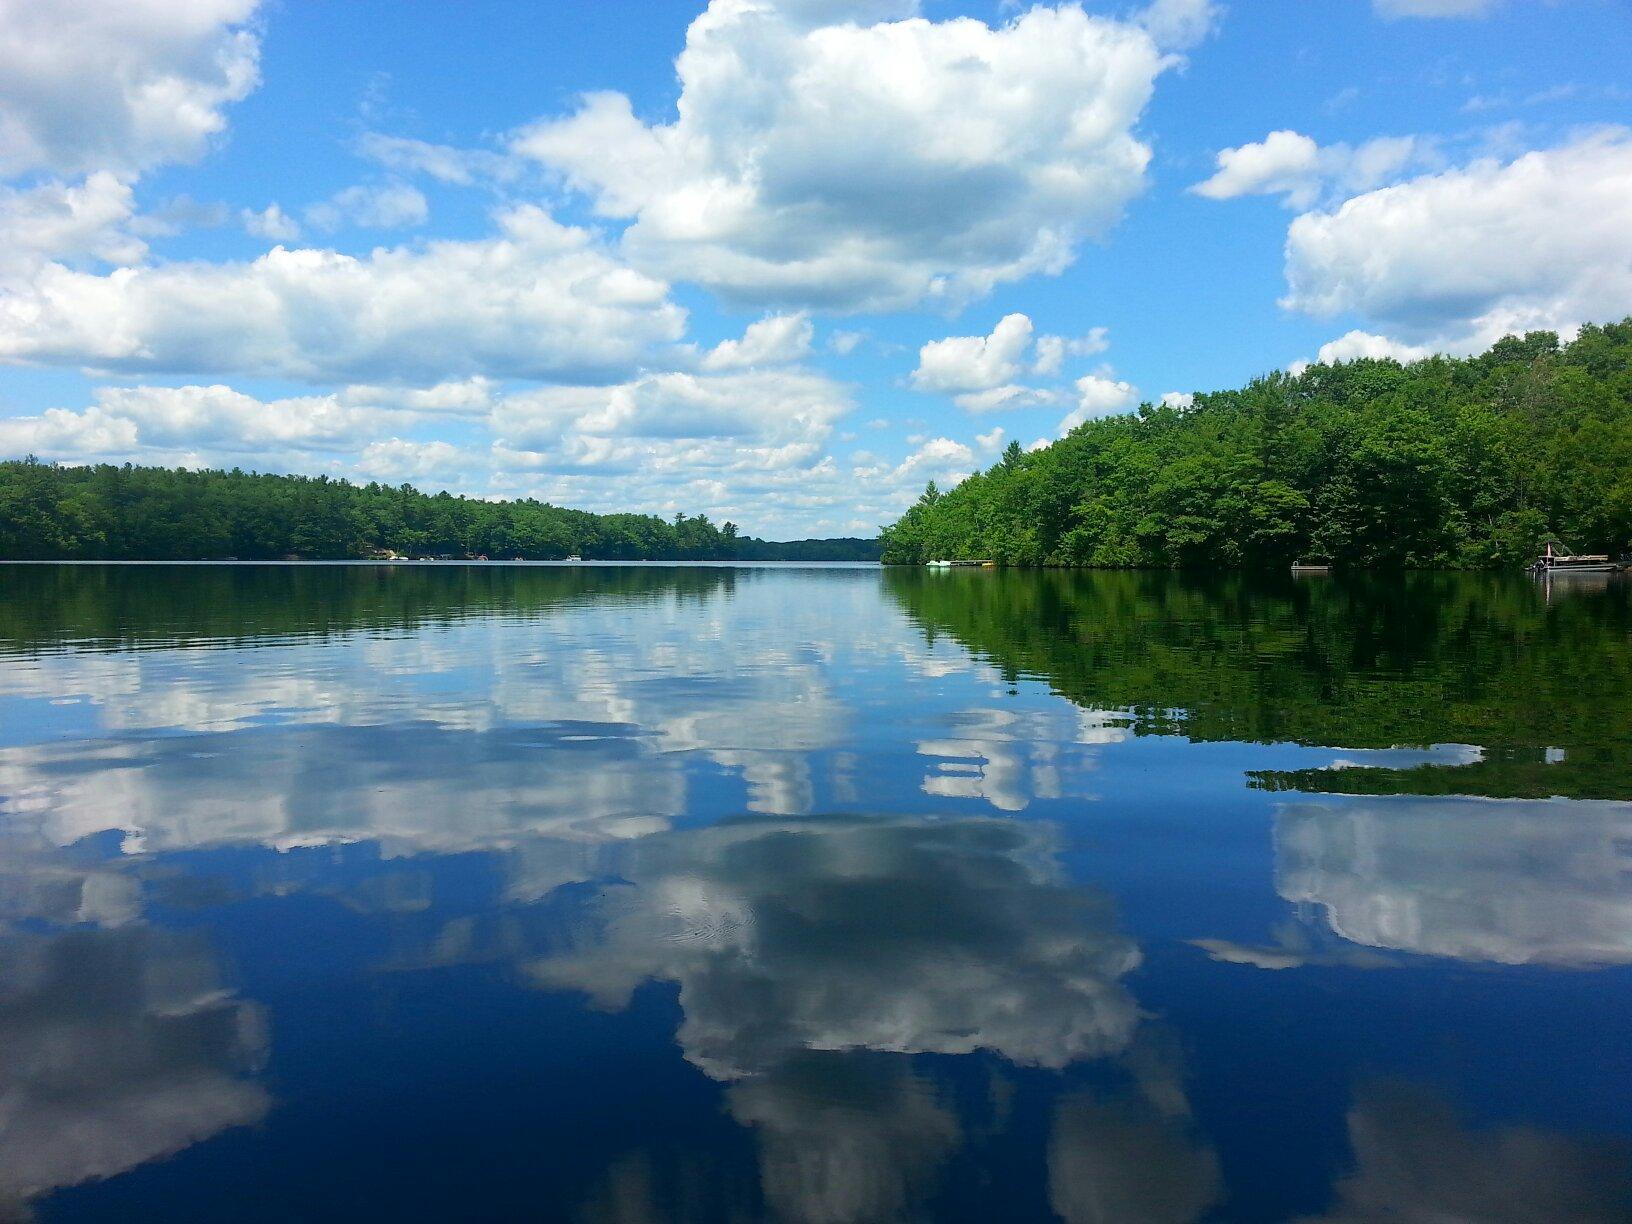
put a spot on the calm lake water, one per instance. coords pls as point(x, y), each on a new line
point(825, 893)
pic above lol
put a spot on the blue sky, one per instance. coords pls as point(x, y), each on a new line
point(780, 261)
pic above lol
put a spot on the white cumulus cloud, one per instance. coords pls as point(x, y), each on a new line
point(762, 405)
point(395, 460)
point(979, 372)
point(271, 223)
point(59, 433)
point(1454, 261)
point(1098, 396)
point(1053, 350)
point(463, 397)
point(119, 85)
point(1292, 165)
point(539, 299)
point(53, 220)
point(940, 459)
point(1357, 344)
point(974, 363)
point(157, 424)
point(854, 166)
point(774, 340)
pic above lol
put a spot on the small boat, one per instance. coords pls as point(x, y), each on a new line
point(1552, 562)
point(575, 557)
point(939, 564)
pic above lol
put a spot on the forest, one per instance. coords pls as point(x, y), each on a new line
point(50, 512)
point(1455, 463)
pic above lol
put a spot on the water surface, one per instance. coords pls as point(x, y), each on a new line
point(812, 893)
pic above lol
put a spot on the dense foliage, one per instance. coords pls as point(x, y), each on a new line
point(1468, 463)
point(49, 512)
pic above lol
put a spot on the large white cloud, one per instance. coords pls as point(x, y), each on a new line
point(56, 220)
point(539, 299)
point(345, 432)
point(58, 433)
point(119, 85)
point(767, 405)
point(747, 445)
point(395, 460)
point(1456, 260)
point(868, 166)
point(125, 421)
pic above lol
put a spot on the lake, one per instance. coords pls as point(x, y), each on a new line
point(812, 893)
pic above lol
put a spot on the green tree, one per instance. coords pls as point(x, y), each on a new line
point(1440, 463)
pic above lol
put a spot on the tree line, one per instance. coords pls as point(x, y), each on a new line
point(115, 606)
point(1441, 463)
point(52, 512)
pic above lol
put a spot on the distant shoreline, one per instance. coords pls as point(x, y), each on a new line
point(463, 562)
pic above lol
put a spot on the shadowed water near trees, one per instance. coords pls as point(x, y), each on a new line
point(1538, 681)
point(1467, 464)
point(110, 605)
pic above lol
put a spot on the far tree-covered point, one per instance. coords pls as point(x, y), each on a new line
point(1458, 463)
point(51, 512)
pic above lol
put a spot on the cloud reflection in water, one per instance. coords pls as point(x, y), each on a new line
point(1511, 881)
